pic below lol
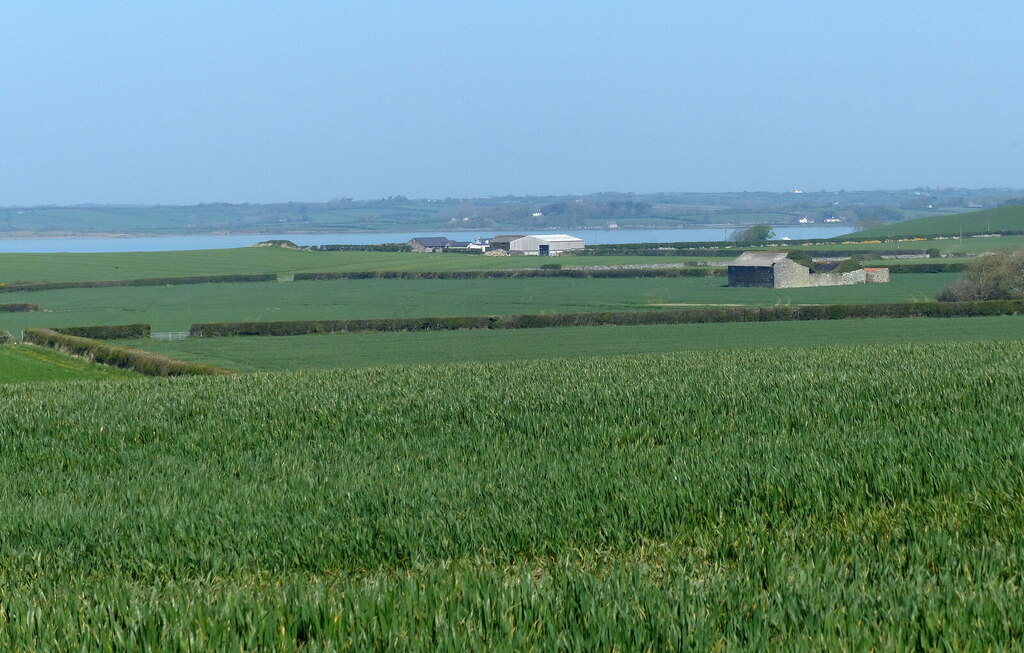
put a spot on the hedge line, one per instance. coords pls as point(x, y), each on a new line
point(161, 281)
point(691, 316)
point(626, 250)
point(19, 308)
point(385, 247)
point(899, 268)
point(107, 332)
point(141, 361)
point(518, 274)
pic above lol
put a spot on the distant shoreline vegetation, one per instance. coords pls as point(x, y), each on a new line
point(507, 214)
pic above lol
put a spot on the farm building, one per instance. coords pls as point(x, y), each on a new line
point(777, 270)
point(503, 242)
point(435, 244)
point(546, 245)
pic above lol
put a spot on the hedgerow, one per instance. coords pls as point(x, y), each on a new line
point(624, 318)
point(141, 361)
point(117, 283)
point(107, 332)
point(531, 273)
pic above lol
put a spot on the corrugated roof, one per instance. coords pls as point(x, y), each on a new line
point(558, 238)
point(758, 259)
point(506, 238)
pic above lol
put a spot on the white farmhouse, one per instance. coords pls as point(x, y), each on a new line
point(546, 245)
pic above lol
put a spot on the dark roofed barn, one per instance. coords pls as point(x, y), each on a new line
point(763, 269)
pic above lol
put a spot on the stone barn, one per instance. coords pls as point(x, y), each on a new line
point(766, 270)
point(777, 270)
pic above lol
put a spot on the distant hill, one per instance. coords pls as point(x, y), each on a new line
point(1008, 218)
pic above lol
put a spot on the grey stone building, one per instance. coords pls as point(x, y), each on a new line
point(777, 270)
point(766, 270)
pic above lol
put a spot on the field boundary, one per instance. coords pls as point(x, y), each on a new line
point(141, 361)
point(118, 283)
point(623, 318)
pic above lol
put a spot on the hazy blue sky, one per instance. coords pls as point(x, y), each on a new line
point(184, 102)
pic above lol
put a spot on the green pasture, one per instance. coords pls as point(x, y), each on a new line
point(20, 363)
point(1005, 218)
point(175, 308)
point(829, 498)
point(369, 349)
point(266, 260)
point(948, 247)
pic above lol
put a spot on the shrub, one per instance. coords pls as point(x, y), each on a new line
point(849, 265)
point(6, 338)
point(19, 308)
point(991, 276)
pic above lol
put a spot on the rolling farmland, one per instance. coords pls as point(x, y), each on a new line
point(174, 308)
point(848, 497)
point(433, 347)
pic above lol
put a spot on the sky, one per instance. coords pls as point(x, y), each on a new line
point(186, 102)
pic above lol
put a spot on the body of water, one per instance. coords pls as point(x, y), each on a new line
point(83, 244)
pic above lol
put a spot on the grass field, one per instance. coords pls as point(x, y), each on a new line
point(175, 308)
point(1006, 218)
point(262, 260)
point(369, 349)
point(841, 498)
point(21, 363)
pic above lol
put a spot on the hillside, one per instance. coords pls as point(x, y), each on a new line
point(1002, 219)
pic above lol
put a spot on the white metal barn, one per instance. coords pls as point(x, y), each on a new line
point(546, 245)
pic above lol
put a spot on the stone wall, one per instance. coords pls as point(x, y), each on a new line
point(851, 278)
point(876, 275)
point(794, 278)
point(790, 274)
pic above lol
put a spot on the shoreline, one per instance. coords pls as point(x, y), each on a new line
point(44, 235)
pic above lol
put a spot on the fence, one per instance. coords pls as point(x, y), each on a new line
point(169, 335)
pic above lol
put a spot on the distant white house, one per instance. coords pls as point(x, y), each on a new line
point(545, 245)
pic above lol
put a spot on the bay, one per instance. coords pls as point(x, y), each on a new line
point(90, 244)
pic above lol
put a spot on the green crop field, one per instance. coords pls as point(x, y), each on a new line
point(20, 363)
point(175, 308)
point(261, 260)
point(1006, 218)
point(839, 498)
point(369, 349)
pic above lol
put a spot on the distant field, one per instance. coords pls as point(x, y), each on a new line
point(1006, 218)
point(264, 260)
point(175, 308)
point(256, 260)
point(20, 363)
point(968, 245)
point(368, 349)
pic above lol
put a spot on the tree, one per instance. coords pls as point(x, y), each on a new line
point(756, 234)
point(990, 276)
